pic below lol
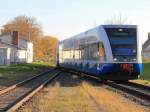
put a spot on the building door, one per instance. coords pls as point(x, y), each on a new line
point(2, 56)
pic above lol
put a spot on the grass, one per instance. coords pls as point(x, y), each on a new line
point(145, 77)
point(59, 97)
point(146, 72)
point(111, 101)
point(75, 99)
point(45, 63)
point(17, 72)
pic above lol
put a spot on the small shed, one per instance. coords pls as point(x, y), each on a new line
point(15, 49)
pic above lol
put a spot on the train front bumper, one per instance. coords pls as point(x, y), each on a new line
point(121, 71)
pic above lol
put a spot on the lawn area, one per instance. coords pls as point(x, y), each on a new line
point(146, 71)
point(145, 77)
point(17, 72)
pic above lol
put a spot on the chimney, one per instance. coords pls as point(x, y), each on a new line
point(148, 36)
point(15, 38)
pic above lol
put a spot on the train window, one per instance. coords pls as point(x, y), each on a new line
point(71, 54)
point(81, 52)
point(76, 54)
point(123, 43)
point(93, 52)
point(84, 52)
point(124, 32)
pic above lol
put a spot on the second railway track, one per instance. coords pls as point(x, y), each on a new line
point(138, 92)
point(141, 93)
point(13, 95)
point(78, 93)
point(13, 98)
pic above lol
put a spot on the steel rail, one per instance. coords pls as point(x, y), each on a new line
point(23, 92)
point(29, 95)
point(141, 93)
point(22, 82)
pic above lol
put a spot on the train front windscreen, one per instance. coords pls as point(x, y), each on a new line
point(123, 43)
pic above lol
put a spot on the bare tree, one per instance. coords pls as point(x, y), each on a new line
point(27, 27)
point(116, 19)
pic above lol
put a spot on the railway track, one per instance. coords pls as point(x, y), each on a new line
point(74, 83)
point(140, 93)
point(6, 89)
point(14, 96)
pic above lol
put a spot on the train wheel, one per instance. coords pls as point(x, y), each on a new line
point(82, 75)
point(121, 81)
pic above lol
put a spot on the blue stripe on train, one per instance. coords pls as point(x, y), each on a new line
point(140, 68)
point(104, 68)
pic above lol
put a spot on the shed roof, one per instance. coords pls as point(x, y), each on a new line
point(147, 42)
point(21, 37)
point(3, 45)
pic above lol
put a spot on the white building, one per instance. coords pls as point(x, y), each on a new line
point(15, 49)
point(146, 49)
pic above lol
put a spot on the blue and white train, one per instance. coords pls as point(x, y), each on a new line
point(110, 52)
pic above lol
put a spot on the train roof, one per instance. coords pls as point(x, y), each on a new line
point(120, 26)
point(96, 28)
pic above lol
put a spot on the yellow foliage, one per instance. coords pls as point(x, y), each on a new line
point(44, 47)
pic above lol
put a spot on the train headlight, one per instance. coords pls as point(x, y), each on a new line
point(134, 51)
point(115, 59)
point(134, 59)
point(120, 29)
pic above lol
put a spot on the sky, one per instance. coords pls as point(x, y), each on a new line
point(65, 18)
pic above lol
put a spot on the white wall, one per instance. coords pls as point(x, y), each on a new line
point(13, 54)
point(29, 52)
point(8, 56)
point(22, 56)
point(4, 56)
point(146, 55)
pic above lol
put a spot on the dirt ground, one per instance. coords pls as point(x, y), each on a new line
point(69, 93)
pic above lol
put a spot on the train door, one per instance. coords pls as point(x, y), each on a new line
point(101, 52)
